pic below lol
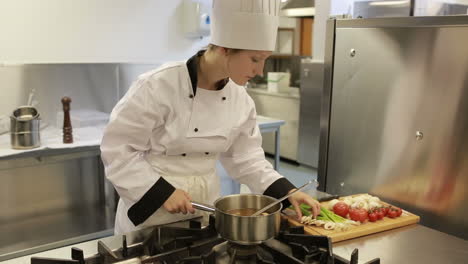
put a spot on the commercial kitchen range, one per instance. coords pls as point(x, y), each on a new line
point(196, 241)
point(189, 242)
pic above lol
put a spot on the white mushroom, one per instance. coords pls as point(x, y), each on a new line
point(348, 201)
point(319, 223)
point(373, 205)
point(351, 222)
point(341, 226)
point(359, 199)
point(308, 220)
point(332, 203)
point(359, 205)
point(329, 225)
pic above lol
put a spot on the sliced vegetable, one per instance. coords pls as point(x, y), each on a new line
point(329, 225)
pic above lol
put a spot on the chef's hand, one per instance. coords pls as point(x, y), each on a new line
point(299, 198)
point(179, 202)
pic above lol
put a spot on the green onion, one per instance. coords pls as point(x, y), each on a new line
point(325, 214)
point(305, 209)
point(328, 215)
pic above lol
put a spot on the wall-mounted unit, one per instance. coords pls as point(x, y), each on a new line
point(196, 18)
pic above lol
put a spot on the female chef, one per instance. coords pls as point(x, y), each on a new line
point(165, 135)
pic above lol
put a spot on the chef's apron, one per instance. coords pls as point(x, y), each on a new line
point(194, 173)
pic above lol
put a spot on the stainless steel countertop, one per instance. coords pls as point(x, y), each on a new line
point(410, 244)
point(265, 123)
point(293, 94)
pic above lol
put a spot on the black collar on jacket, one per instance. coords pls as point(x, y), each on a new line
point(192, 65)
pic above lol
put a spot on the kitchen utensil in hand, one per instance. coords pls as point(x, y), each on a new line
point(204, 207)
point(284, 197)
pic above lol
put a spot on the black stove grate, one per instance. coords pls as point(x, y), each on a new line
point(197, 245)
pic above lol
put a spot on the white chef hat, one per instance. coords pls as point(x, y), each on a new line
point(245, 24)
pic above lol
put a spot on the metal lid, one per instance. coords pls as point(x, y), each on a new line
point(25, 113)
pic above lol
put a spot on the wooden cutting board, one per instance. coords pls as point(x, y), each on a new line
point(366, 228)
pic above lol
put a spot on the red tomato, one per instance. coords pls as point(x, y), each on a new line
point(358, 215)
point(341, 209)
point(399, 211)
point(353, 214)
point(392, 213)
point(373, 216)
point(380, 213)
point(385, 210)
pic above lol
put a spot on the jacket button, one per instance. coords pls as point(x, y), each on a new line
point(184, 154)
point(196, 130)
point(224, 98)
point(191, 96)
point(207, 153)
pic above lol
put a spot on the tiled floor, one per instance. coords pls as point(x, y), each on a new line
point(297, 174)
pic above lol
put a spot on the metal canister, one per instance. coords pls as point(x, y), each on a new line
point(24, 128)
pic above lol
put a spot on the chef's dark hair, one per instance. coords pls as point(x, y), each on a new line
point(212, 47)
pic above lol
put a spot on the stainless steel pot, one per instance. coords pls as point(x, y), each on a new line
point(245, 230)
point(24, 128)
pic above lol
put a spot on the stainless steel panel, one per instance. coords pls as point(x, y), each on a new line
point(309, 118)
point(51, 199)
point(398, 121)
point(326, 104)
point(367, 9)
point(90, 86)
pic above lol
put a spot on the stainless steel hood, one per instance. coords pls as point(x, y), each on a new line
point(298, 8)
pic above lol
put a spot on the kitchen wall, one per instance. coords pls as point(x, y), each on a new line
point(341, 7)
point(322, 11)
point(89, 50)
point(89, 31)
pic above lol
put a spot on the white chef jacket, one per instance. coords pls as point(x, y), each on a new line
point(164, 134)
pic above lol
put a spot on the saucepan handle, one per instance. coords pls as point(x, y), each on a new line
point(204, 207)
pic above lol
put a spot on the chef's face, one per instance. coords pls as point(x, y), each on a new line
point(243, 65)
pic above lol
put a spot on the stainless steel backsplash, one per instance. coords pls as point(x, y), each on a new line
point(91, 86)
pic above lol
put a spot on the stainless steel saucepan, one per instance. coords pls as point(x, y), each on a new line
point(232, 223)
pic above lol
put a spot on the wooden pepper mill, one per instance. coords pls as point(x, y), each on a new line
point(67, 127)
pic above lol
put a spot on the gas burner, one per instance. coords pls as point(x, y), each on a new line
point(194, 244)
point(228, 252)
point(241, 251)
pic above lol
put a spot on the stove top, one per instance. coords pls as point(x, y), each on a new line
point(194, 244)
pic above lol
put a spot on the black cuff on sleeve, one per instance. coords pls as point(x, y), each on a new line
point(151, 201)
point(280, 188)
